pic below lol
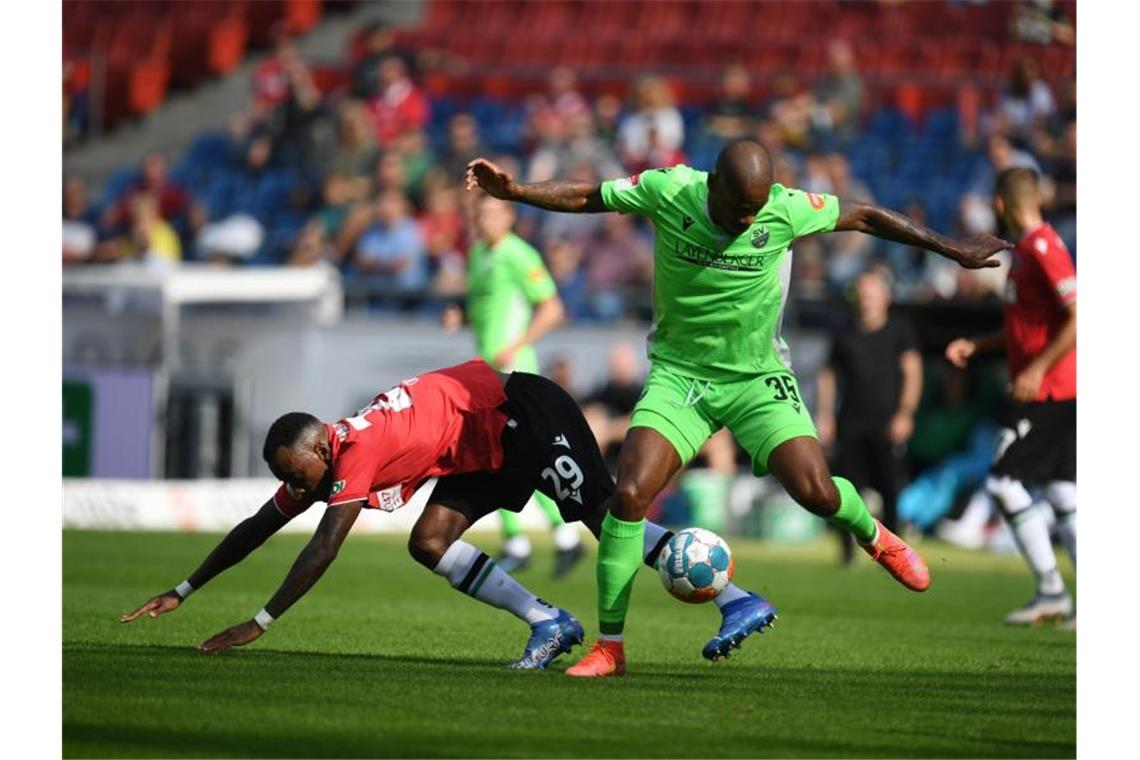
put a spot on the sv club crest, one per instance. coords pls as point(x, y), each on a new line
point(759, 237)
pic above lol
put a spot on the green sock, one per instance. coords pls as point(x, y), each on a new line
point(853, 514)
point(550, 508)
point(511, 525)
point(619, 558)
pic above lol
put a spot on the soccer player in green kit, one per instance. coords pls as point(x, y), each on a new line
point(512, 302)
point(722, 267)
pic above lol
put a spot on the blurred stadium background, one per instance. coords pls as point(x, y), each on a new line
point(230, 169)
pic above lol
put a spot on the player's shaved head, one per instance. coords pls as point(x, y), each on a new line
point(297, 451)
point(739, 185)
point(290, 431)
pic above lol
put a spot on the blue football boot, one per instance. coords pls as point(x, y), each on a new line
point(549, 639)
point(742, 618)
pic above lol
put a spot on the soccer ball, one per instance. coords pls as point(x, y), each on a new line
point(695, 565)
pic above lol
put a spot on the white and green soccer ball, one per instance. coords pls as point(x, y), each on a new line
point(695, 565)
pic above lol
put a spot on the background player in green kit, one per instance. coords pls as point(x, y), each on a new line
point(511, 303)
point(722, 266)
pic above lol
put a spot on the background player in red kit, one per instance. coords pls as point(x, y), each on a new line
point(1037, 446)
point(491, 439)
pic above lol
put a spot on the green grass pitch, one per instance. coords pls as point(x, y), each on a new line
point(382, 658)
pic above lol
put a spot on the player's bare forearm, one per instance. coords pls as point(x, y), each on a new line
point(562, 195)
point(910, 364)
point(238, 543)
point(315, 558)
point(1062, 343)
point(555, 195)
point(991, 343)
point(973, 253)
point(548, 314)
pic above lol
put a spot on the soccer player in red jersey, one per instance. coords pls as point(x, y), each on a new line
point(1037, 446)
point(492, 440)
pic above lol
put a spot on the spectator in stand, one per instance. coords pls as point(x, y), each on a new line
point(356, 154)
point(733, 114)
point(1063, 170)
point(867, 396)
point(1025, 105)
point(398, 105)
point(562, 100)
point(391, 173)
point(839, 96)
point(607, 117)
point(174, 204)
point(298, 124)
point(654, 112)
point(270, 78)
point(791, 108)
point(564, 259)
point(312, 247)
point(976, 206)
point(441, 225)
point(413, 149)
point(391, 252)
point(619, 257)
point(463, 145)
point(80, 223)
point(848, 252)
point(152, 239)
point(1042, 22)
point(569, 142)
point(607, 408)
point(380, 44)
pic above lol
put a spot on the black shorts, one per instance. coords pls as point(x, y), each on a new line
point(547, 446)
point(1038, 442)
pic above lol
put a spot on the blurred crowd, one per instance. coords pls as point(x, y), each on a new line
point(368, 178)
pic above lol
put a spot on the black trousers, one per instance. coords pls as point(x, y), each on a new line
point(866, 456)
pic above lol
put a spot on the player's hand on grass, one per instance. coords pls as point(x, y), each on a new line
point(496, 181)
point(1028, 383)
point(234, 636)
point(976, 252)
point(959, 352)
point(158, 605)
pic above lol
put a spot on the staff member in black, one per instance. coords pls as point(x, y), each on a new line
point(867, 395)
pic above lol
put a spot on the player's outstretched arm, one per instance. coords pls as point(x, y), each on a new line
point(961, 350)
point(238, 543)
point(972, 253)
point(555, 195)
point(311, 564)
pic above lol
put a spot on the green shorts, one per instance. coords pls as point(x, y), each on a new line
point(762, 412)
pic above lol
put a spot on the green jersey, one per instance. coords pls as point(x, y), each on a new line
point(504, 282)
point(718, 300)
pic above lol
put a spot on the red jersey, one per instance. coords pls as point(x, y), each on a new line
point(1042, 282)
point(444, 422)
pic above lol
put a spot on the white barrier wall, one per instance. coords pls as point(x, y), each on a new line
point(218, 505)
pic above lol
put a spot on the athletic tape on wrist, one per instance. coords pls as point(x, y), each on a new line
point(263, 619)
point(184, 589)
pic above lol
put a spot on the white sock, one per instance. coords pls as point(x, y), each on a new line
point(517, 546)
point(475, 574)
point(610, 637)
point(655, 538)
point(1062, 494)
point(1030, 528)
point(731, 593)
point(566, 536)
point(978, 511)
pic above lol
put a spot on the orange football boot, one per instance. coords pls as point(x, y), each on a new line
point(606, 658)
point(900, 560)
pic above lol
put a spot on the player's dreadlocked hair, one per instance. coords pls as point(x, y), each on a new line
point(286, 431)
